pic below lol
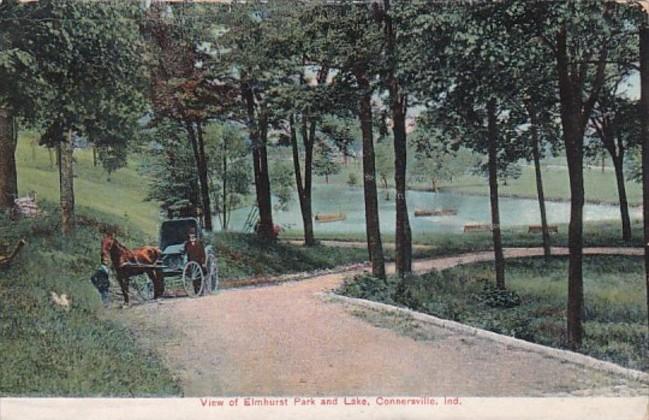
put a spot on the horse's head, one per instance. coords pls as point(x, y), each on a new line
point(107, 243)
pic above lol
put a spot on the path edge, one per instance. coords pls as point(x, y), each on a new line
point(560, 354)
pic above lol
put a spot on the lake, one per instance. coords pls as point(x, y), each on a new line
point(471, 209)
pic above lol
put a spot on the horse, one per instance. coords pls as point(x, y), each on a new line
point(122, 258)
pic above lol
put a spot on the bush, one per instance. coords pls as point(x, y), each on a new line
point(497, 298)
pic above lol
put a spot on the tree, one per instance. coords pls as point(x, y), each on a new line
point(254, 62)
point(325, 163)
point(170, 166)
point(230, 175)
point(384, 153)
point(394, 78)
point(302, 97)
point(473, 104)
point(644, 136)
point(282, 179)
point(434, 162)
point(341, 133)
point(582, 36)
point(614, 123)
point(350, 36)
point(19, 89)
point(185, 86)
point(86, 88)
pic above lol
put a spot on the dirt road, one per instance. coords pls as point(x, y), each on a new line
point(286, 340)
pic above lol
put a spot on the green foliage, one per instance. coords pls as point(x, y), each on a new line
point(245, 255)
point(533, 308)
point(80, 352)
point(283, 182)
point(384, 161)
point(497, 298)
point(170, 168)
point(112, 157)
point(352, 179)
point(366, 286)
point(230, 169)
point(325, 161)
point(88, 57)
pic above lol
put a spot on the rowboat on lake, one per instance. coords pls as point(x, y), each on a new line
point(330, 217)
point(435, 212)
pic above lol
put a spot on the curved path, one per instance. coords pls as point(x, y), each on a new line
point(286, 340)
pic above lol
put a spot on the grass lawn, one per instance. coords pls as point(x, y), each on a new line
point(534, 307)
point(122, 197)
point(600, 187)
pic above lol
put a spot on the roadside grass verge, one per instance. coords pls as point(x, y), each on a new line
point(48, 351)
point(534, 306)
point(245, 255)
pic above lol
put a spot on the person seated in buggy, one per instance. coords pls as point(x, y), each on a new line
point(194, 248)
point(195, 251)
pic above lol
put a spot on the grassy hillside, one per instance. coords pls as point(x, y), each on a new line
point(121, 197)
point(56, 352)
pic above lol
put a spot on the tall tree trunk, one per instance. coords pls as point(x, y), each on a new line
point(618, 165)
point(374, 244)
point(258, 129)
point(264, 195)
point(8, 173)
point(94, 156)
point(399, 107)
point(309, 141)
point(547, 252)
point(66, 183)
point(403, 232)
point(492, 132)
point(195, 136)
point(304, 188)
point(224, 203)
point(644, 141)
point(571, 120)
point(202, 177)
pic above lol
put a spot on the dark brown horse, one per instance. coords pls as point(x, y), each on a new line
point(123, 260)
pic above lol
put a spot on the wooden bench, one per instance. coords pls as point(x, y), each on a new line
point(476, 227)
point(539, 229)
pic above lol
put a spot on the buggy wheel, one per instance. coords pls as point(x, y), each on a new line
point(143, 287)
point(212, 280)
point(193, 279)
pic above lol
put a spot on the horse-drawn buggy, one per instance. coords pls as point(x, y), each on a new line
point(181, 261)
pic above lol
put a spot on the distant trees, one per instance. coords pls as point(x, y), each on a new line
point(184, 87)
point(230, 171)
point(325, 161)
point(434, 162)
point(171, 168)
